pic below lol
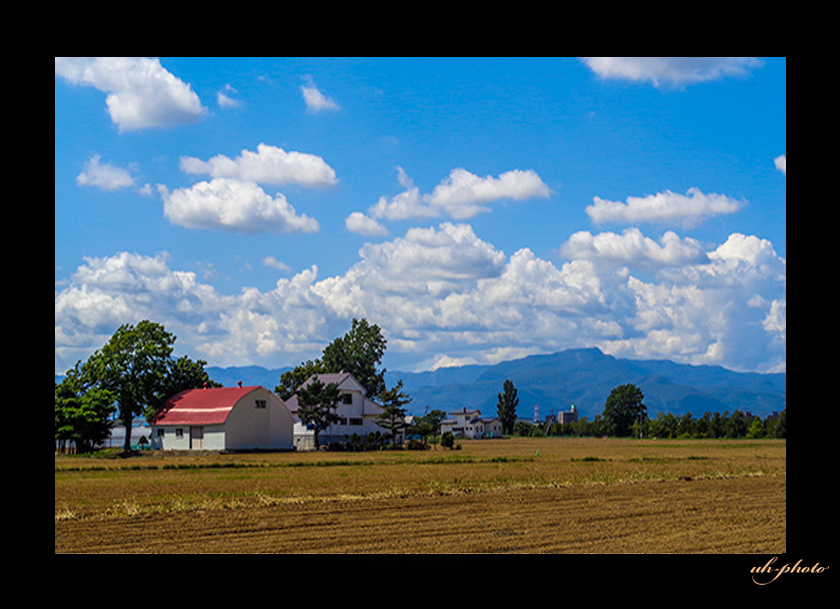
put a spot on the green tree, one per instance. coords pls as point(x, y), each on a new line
point(506, 406)
point(717, 424)
point(292, 380)
point(686, 426)
point(736, 425)
point(756, 429)
point(623, 407)
point(133, 367)
point(181, 374)
point(82, 415)
point(432, 421)
point(358, 352)
point(317, 405)
point(447, 440)
point(776, 425)
point(392, 416)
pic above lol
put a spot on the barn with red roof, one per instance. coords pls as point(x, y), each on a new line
point(223, 418)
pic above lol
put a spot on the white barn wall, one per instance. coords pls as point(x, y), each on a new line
point(249, 427)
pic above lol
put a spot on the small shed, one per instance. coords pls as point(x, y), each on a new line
point(223, 418)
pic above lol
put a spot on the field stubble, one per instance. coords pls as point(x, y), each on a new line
point(507, 496)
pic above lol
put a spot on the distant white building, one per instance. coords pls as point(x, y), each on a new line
point(468, 423)
point(223, 418)
point(357, 413)
point(568, 417)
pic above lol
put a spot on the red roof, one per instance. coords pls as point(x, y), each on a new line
point(209, 406)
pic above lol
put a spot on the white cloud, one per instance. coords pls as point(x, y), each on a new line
point(104, 176)
point(358, 222)
point(462, 195)
point(445, 296)
point(665, 207)
point(272, 263)
point(632, 247)
point(268, 165)
point(315, 100)
point(225, 101)
point(233, 205)
point(781, 163)
point(674, 71)
point(141, 92)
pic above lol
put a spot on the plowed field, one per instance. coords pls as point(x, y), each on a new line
point(499, 496)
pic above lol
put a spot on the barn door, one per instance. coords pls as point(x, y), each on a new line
point(197, 438)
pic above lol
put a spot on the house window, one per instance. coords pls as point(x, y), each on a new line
point(160, 432)
point(355, 421)
point(346, 398)
point(179, 433)
point(342, 420)
point(260, 403)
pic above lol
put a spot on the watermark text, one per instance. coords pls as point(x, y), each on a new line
point(770, 572)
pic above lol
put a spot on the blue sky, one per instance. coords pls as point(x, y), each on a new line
point(478, 210)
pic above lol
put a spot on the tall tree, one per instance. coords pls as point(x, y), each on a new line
point(359, 352)
point(506, 406)
point(392, 416)
point(623, 408)
point(317, 405)
point(133, 366)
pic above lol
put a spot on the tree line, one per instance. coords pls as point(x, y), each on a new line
point(625, 415)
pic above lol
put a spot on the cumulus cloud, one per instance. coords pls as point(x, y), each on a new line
point(358, 222)
point(104, 176)
point(462, 195)
point(141, 92)
point(673, 71)
point(443, 295)
point(224, 204)
point(315, 100)
point(665, 207)
point(632, 247)
point(268, 165)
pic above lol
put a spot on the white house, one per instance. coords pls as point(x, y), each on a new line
point(468, 423)
point(223, 418)
point(357, 413)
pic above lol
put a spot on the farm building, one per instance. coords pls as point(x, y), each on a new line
point(357, 413)
point(470, 424)
point(223, 418)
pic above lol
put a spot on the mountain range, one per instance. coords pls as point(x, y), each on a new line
point(583, 377)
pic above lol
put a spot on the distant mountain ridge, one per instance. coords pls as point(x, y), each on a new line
point(583, 377)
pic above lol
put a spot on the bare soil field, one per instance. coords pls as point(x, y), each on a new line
point(540, 495)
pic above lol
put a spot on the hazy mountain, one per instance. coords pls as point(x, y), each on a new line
point(583, 377)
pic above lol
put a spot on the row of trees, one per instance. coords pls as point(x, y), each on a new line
point(131, 376)
point(625, 415)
